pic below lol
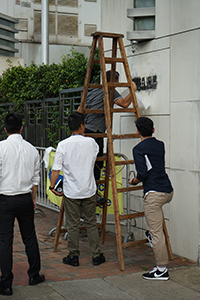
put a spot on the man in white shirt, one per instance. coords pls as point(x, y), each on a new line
point(19, 178)
point(76, 156)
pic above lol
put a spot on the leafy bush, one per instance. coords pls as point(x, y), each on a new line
point(36, 82)
point(19, 84)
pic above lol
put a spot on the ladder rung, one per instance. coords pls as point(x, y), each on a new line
point(113, 110)
point(129, 189)
point(122, 110)
point(118, 84)
point(96, 135)
point(109, 84)
point(110, 60)
point(107, 34)
point(114, 136)
point(125, 136)
point(134, 243)
point(100, 181)
point(125, 162)
point(101, 158)
point(132, 216)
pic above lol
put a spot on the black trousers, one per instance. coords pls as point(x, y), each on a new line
point(21, 208)
point(98, 164)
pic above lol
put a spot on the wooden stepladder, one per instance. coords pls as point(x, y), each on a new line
point(117, 42)
point(108, 110)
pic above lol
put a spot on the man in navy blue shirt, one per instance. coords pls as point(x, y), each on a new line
point(149, 156)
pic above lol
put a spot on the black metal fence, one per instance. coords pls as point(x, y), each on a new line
point(45, 121)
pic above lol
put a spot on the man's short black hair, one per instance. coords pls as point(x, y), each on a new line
point(13, 123)
point(108, 75)
point(144, 126)
point(75, 120)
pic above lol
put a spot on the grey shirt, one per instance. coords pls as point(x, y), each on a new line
point(94, 100)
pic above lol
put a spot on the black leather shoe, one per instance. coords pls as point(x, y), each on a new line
point(37, 278)
point(98, 260)
point(71, 260)
point(6, 291)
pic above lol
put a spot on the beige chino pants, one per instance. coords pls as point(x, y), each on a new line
point(153, 203)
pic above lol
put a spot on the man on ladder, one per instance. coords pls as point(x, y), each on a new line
point(95, 123)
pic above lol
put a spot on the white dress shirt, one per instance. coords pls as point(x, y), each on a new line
point(76, 156)
point(19, 166)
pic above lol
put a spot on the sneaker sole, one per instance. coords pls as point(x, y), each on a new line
point(156, 278)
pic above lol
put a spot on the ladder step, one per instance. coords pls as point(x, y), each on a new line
point(125, 162)
point(109, 84)
point(114, 136)
point(118, 84)
point(134, 243)
point(100, 181)
point(96, 135)
point(113, 110)
point(107, 34)
point(125, 136)
point(122, 110)
point(131, 188)
point(101, 158)
point(131, 216)
point(110, 60)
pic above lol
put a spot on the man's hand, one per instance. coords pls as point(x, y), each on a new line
point(56, 193)
point(33, 194)
point(134, 181)
point(34, 204)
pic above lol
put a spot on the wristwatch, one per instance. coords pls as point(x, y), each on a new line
point(133, 182)
point(51, 188)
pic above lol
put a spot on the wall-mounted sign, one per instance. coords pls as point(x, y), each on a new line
point(146, 83)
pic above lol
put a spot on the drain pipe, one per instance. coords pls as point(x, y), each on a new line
point(45, 31)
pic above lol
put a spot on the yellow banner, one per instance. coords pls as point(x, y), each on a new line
point(51, 196)
point(110, 210)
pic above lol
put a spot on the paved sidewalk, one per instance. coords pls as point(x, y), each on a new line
point(98, 282)
point(184, 284)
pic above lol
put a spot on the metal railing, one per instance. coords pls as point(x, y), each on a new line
point(43, 201)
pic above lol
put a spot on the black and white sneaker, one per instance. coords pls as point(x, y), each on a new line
point(155, 274)
point(148, 237)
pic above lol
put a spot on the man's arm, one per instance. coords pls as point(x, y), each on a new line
point(33, 194)
point(134, 181)
point(125, 102)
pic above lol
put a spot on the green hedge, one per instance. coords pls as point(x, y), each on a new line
point(19, 84)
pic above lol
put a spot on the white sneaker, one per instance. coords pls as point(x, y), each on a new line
point(155, 274)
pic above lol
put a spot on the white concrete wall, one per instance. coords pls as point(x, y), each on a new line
point(7, 8)
point(32, 52)
point(185, 126)
point(6, 61)
point(174, 107)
